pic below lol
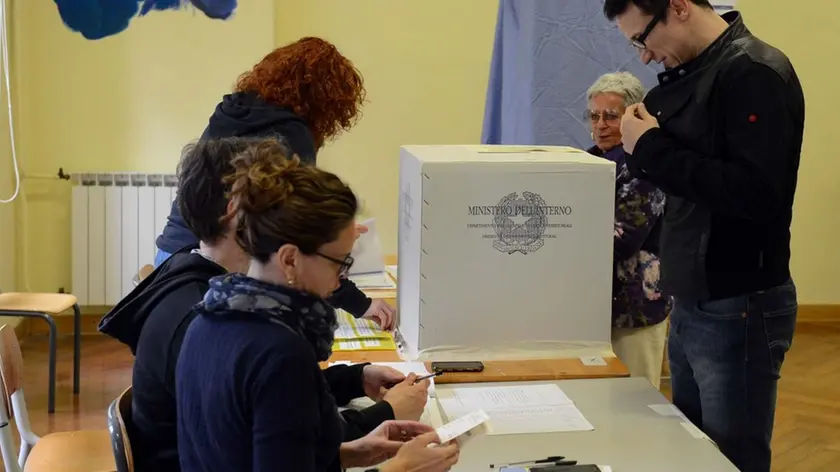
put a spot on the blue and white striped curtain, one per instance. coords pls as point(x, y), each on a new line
point(546, 55)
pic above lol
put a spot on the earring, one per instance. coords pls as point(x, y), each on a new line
point(592, 136)
point(291, 282)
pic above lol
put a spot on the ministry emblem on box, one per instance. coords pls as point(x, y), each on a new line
point(519, 222)
point(501, 244)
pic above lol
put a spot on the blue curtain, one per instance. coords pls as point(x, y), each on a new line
point(546, 54)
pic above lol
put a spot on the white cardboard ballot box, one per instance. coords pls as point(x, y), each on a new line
point(504, 244)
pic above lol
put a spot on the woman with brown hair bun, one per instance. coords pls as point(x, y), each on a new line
point(250, 393)
point(306, 92)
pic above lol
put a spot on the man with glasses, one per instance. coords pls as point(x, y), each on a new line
point(721, 134)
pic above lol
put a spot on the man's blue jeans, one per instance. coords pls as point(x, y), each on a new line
point(725, 358)
point(160, 257)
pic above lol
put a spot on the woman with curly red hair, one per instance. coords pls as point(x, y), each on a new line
point(306, 93)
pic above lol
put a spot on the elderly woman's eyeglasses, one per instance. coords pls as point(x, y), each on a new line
point(639, 41)
point(343, 265)
point(595, 115)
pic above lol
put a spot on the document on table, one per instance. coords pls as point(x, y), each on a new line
point(519, 409)
point(350, 327)
point(367, 252)
point(360, 335)
point(375, 280)
point(364, 345)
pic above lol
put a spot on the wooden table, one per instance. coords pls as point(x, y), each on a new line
point(504, 371)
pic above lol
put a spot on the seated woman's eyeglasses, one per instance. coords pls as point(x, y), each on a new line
point(343, 265)
point(596, 115)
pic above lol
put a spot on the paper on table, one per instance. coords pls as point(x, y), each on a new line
point(462, 425)
point(373, 280)
point(392, 271)
point(367, 251)
point(364, 345)
point(520, 409)
point(516, 396)
point(668, 409)
point(351, 328)
point(527, 419)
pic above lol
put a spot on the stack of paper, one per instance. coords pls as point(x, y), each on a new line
point(523, 409)
point(360, 335)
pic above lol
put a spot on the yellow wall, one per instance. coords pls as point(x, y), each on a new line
point(124, 103)
point(804, 33)
point(425, 65)
point(130, 102)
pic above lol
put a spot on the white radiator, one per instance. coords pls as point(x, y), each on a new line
point(116, 219)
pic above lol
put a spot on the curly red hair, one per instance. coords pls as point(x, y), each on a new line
point(313, 80)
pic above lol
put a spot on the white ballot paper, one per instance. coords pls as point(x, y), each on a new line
point(465, 425)
point(367, 252)
point(519, 409)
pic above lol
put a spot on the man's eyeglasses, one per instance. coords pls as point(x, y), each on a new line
point(596, 115)
point(343, 265)
point(639, 41)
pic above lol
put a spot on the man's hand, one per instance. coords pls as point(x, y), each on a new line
point(382, 313)
point(377, 379)
point(635, 122)
point(360, 230)
point(380, 444)
point(408, 399)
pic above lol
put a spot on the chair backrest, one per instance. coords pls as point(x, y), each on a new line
point(119, 423)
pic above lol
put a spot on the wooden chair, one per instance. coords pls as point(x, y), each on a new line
point(119, 423)
point(70, 451)
point(47, 306)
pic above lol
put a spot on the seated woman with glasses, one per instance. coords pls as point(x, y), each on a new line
point(639, 308)
point(250, 393)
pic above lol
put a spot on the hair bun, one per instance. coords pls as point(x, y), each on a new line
point(263, 177)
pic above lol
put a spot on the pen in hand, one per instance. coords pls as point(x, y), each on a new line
point(418, 379)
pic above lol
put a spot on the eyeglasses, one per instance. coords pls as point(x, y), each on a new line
point(595, 116)
point(639, 41)
point(343, 265)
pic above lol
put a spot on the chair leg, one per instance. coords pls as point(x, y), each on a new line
point(53, 334)
point(77, 348)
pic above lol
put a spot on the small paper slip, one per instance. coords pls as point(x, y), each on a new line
point(519, 409)
point(379, 280)
point(668, 409)
point(367, 252)
point(593, 360)
point(392, 271)
point(461, 426)
point(694, 431)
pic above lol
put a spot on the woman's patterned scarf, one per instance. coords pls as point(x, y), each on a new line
point(306, 315)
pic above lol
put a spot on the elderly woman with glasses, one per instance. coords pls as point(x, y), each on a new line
point(639, 309)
